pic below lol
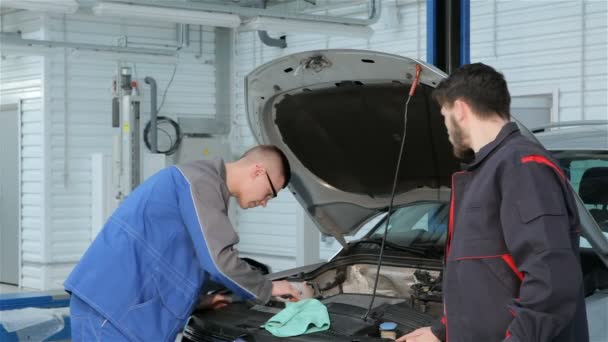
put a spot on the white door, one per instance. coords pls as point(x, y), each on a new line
point(9, 194)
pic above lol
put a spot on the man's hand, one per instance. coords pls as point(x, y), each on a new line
point(213, 302)
point(282, 288)
point(419, 335)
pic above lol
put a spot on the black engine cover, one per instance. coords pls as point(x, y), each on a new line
point(242, 321)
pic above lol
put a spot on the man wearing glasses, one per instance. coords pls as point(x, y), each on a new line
point(142, 276)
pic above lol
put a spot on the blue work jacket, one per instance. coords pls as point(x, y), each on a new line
point(146, 268)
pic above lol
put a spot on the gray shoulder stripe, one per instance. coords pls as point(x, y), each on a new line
point(205, 238)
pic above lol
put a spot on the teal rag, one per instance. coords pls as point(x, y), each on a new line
point(298, 318)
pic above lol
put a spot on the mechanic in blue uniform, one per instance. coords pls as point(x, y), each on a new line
point(512, 270)
point(142, 276)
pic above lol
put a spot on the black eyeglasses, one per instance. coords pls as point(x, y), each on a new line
point(274, 192)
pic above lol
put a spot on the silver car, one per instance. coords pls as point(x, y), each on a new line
point(338, 115)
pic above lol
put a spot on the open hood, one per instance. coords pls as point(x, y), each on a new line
point(338, 116)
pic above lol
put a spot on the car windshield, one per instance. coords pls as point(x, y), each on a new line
point(425, 223)
point(422, 224)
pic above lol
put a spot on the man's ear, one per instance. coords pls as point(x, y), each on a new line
point(257, 169)
point(252, 170)
point(461, 111)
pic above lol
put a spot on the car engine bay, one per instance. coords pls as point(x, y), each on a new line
point(409, 297)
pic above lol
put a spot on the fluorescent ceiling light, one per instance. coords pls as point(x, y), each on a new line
point(166, 14)
point(55, 6)
point(305, 26)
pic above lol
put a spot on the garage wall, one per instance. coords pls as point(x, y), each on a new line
point(20, 82)
point(79, 93)
point(553, 49)
point(545, 46)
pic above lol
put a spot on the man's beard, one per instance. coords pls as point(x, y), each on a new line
point(461, 150)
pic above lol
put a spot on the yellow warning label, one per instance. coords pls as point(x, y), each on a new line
point(125, 127)
point(206, 151)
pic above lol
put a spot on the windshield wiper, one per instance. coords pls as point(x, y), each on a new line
point(378, 241)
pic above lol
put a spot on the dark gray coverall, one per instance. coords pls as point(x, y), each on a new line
point(512, 267)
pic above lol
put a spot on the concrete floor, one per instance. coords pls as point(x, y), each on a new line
point(6, 288)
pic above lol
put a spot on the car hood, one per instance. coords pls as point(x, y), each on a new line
point(338, 116)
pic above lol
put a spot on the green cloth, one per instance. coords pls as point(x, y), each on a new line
point(303, 317)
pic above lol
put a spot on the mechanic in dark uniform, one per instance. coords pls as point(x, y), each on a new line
point(512, 270)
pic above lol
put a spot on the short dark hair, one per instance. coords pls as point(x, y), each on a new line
point(272, 150)
point(482, 87)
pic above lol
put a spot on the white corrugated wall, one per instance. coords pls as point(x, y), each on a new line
point(20, 82)
point(33, 201)
point(545, 45)
point(542, 47)
point(88, 78)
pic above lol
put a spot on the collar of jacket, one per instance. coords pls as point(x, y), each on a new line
point(221, 170)
point(506, 131)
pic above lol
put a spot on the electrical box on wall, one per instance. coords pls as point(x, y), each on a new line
point(204, 147)
point(192, 147)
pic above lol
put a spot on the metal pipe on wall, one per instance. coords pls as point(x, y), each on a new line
point(182, 32)
point(153, 114)
point(582, 59)
point(66, 108)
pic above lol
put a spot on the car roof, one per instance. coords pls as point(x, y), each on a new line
point(582, 138)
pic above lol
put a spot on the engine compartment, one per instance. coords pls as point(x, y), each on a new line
point(420, 288)
point(410, 297)
point(242, 321)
